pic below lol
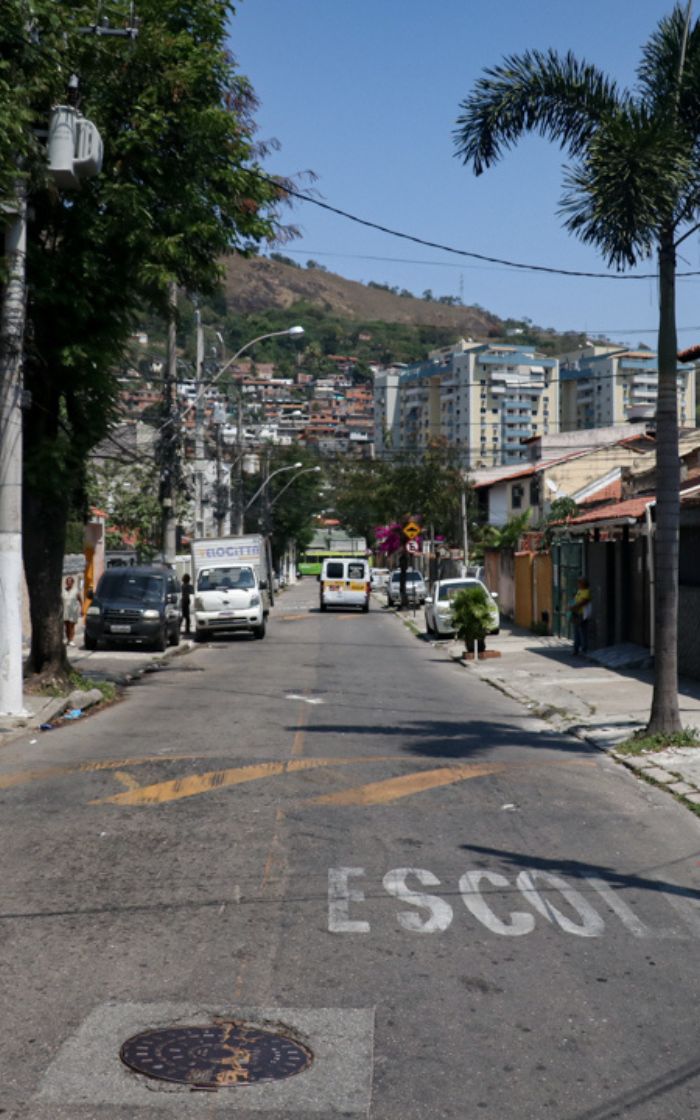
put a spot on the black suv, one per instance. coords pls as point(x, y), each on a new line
point(135, 605)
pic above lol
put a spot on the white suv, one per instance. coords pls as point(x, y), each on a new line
point(416, 591)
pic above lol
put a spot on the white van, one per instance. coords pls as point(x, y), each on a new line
point(345, 583)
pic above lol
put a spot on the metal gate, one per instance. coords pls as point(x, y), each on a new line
point(567, 569)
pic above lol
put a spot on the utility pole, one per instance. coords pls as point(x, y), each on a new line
point(12, 324)
point(199, 460)
point(169, 432)
point(237, 496)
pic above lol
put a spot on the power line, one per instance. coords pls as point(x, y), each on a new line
point(451, 249)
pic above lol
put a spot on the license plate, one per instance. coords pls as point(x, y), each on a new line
point(357, 586)
point(120, 628)
point(227, 614)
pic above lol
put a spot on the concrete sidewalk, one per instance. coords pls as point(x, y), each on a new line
point(601, 698)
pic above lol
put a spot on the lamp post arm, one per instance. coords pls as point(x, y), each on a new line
point(267, 481)
point(307, 470)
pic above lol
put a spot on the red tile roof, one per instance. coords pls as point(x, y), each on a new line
point(631, 507)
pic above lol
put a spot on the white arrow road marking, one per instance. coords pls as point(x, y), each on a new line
point(306, 699)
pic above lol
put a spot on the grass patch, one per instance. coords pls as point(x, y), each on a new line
point(76, 680)
point(641, 743)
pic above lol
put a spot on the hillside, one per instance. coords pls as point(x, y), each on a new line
point(259, 284)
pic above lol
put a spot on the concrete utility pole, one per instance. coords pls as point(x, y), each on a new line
point(169, 433)
point(12, 323)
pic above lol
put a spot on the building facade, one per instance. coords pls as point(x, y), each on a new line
point(482, 399)
point(606, 385)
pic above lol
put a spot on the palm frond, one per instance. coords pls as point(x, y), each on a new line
point(562, 99)
point(631, 182)
point(664, 87)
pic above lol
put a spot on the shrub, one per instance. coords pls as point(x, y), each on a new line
point(471, 612)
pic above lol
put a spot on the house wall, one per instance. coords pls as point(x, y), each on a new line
point(522, 570)
point(499, 566)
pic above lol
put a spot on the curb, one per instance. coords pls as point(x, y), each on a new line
point(644, 766)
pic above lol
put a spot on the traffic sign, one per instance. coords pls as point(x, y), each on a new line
point(411, 530)
point(413, 547)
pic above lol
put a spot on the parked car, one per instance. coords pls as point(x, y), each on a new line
point(416, 589)
point(438, 605)
point(139, 606)
point(378, 577)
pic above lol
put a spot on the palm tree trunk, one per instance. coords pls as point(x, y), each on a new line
point(665, 715)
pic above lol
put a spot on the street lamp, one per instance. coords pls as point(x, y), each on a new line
point(306, 470)
point(258, 492)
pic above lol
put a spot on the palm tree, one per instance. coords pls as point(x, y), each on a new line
point(632, 190)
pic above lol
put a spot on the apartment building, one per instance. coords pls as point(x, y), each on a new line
point(482, 398)
point(602, 385)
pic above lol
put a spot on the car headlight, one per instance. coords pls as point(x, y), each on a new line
point(151, 614)
point(94, 611)
point(255, 600)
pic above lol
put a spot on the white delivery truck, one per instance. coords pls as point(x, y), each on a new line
point(232, 583)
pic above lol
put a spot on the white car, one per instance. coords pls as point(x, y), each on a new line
point(438, 606)
point(378, 577)
point(416, 590)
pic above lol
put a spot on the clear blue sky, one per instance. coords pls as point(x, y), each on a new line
point(365, 93)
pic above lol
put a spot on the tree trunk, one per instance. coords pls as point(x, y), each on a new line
point(43, 542)
point(665, 715)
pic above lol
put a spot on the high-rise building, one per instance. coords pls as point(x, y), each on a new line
point(482, 399)
point(603, 385)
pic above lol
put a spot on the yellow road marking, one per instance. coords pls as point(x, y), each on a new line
point(302, 721)
point(393, 789)
point(127, 780)
point(292, 617)
point(160, 792)
point(25, 776)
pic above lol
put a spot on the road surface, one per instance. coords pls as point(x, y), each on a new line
point(336, 830)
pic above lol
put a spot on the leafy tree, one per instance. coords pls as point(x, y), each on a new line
point(128, 492)
point(178, 189)
point(633, 190)
point(508, 535)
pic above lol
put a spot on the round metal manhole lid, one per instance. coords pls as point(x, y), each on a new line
point(216, 1056)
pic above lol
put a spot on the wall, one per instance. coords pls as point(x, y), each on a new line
point(500, 577)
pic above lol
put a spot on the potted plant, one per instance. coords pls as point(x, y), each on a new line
point(471, 613)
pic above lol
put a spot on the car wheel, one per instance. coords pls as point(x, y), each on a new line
point(161, 640)
point(323, 607)
point(428, 627)
point(365, 607)
point(89, 643)
point(259, 631)
point(174, 636)
point(201, 635)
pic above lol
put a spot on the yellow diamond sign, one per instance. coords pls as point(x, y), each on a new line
point(411, 530)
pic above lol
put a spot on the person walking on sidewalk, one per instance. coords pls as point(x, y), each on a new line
point(72, 606)
point(186, 596)
point(581, 607)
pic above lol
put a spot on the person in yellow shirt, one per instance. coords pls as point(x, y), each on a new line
point(581, 607)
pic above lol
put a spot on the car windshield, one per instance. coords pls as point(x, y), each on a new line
point(411, 577)
point(225, 579)
point(121, 583)
point(449, 590)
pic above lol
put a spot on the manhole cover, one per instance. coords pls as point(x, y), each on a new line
point(215, 1056)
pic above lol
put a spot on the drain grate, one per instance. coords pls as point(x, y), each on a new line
point(216, 1056)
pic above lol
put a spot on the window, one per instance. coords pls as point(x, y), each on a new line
point(356, 571)
point(335, 570)
point(516, 496)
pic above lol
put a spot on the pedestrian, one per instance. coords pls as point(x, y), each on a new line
point(186, 596)
point(72, 607)
point(581, 607)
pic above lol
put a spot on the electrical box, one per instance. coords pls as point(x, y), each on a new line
point(74, 148)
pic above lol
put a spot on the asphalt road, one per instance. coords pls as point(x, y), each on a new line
point(459, 912)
